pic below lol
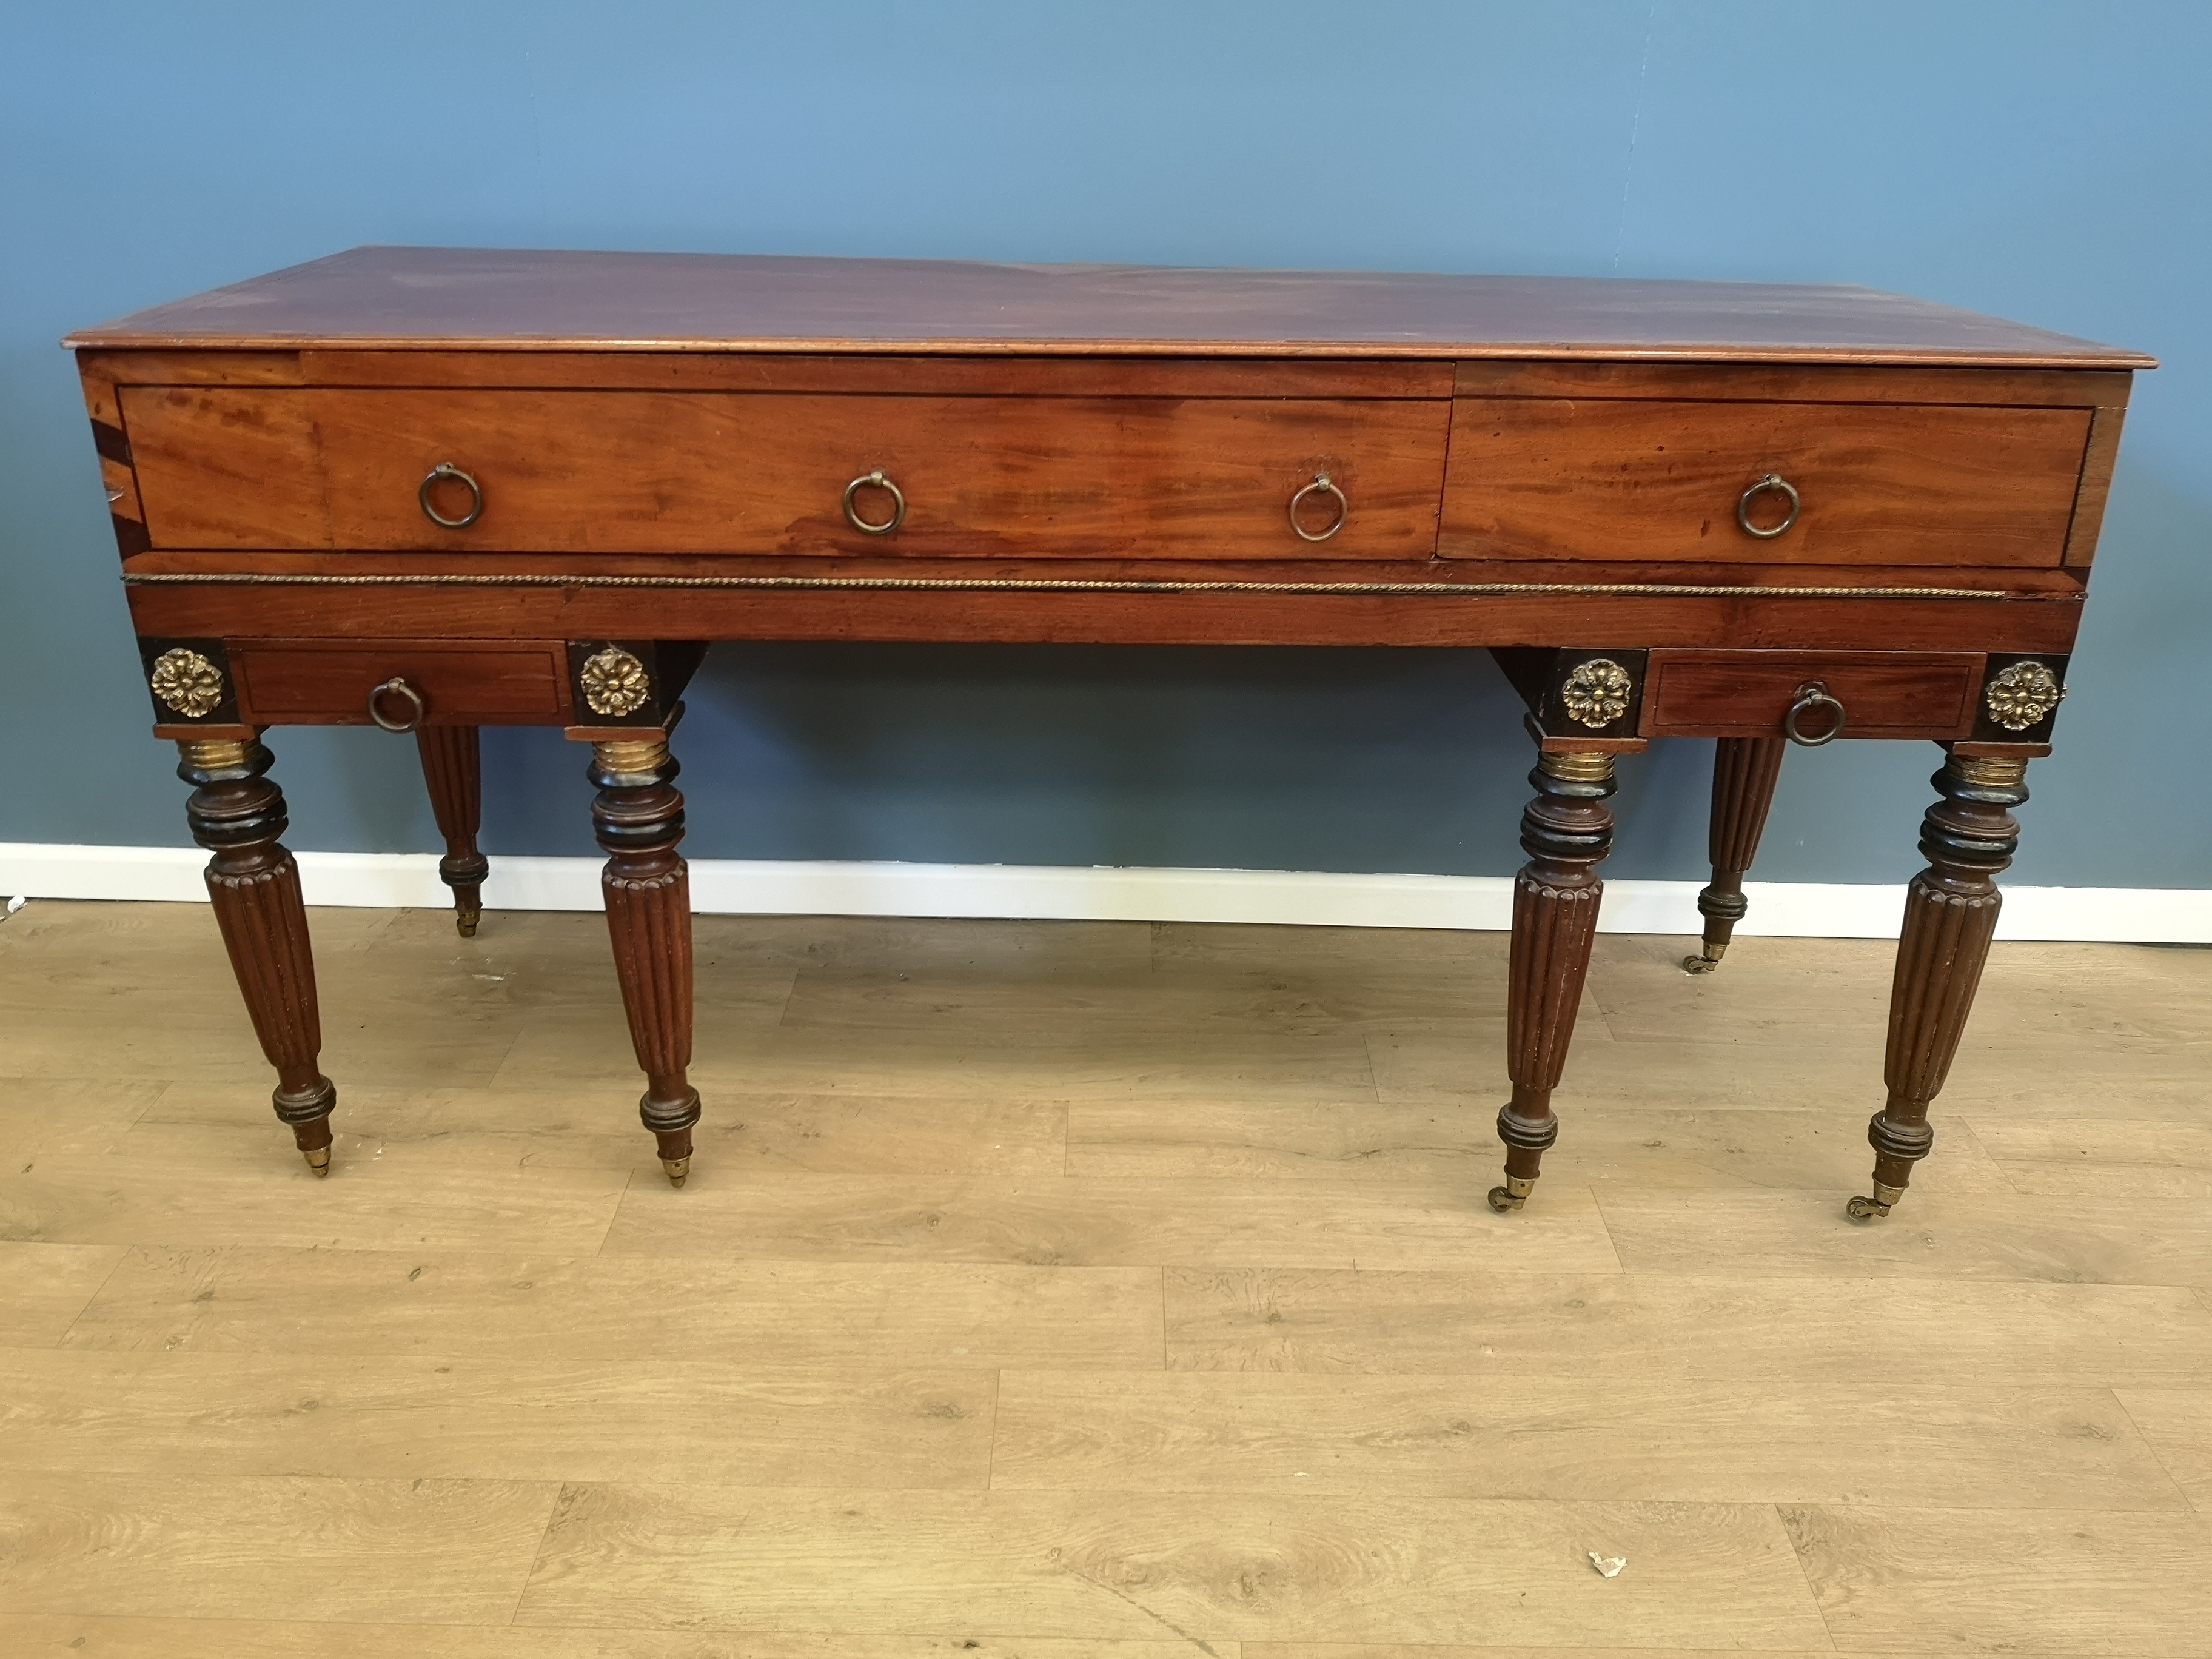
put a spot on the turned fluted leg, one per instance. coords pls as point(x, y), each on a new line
point(237, 814)
point(1950, 914)
point(1567, 830)
point(1744, 773)
point(452, 768)
point(638, 817)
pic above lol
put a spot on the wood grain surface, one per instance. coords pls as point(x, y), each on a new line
point(1090, 1292)
point(1886, 483)
point(460, 682)
point(1744, 694)
point(743, 473)
point(520, 298)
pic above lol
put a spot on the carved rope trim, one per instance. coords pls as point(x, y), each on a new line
point(971, 584)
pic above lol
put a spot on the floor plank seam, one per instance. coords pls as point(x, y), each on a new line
point(614, 1214)
point(2157, 1456)
point(121, 1256)
point(560, 1497)
point(1612, 1241)
point(991, 1440)
point(1805, 1571)
point(1166, 1360)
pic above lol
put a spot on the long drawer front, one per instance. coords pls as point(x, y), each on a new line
point(255, 467)
point(1753, 483)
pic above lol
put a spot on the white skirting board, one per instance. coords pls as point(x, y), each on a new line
point(1043, 893)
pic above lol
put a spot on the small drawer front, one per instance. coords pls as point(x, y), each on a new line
point(487, 682)
point(1650, 478)
point(1746, 694)
point(768, 473)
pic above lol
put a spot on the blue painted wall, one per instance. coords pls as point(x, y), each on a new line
point(2045, 161)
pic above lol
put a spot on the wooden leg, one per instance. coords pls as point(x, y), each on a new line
point(1744, 773)
point(1950, 914)
point(237, 814)
point(1567, 830)
point(639, 819)
point(453, 767)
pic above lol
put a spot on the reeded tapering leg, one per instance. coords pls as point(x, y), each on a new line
point(1950, 914)
point(639, 819)
point(452, 766)
point(1567, 830)
point(1744, 773)
point(237, 814)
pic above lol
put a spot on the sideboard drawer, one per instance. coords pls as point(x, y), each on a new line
point(1557, 478)
point(222, 467)
point(460, 683)
point(1746, 694)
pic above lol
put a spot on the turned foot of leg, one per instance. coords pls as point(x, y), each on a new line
point(1744, 773)
point(453, 767)
point(237, 814)
point(1567, 830)
point(669, 1108)
point(638, 818)
point(1968, 837)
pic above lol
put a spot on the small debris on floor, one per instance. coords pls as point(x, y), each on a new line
point(1608, 1566)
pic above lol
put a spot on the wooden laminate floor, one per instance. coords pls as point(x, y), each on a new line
point(1092, 1291)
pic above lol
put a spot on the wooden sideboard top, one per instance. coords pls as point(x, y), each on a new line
point(521, 299)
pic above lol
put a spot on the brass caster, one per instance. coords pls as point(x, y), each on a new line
point(1700, 964)
point(318, 1160)
point(464, 922)
point(1866, 1209)
point(678, 1169)
point(1513, 1194)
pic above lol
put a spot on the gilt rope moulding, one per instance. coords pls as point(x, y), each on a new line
point(442, 488)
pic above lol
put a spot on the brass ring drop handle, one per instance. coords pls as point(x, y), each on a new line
point(1322, 485)
point(438, 475)
point(1774, 484)
point(1812, 695)
point(397, 687)
point(874, 480)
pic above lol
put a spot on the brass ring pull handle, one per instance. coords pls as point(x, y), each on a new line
point(1810, 697)
point(1775, 483)
point(397, 687)
point(874, 480)
point(1322, 485)
point(438, 475)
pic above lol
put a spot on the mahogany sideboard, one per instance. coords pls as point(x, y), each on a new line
point(438, 488)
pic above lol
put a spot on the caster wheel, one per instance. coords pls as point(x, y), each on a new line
point(1502, 1201)
point(1699, 964)
point(1865, 1209)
